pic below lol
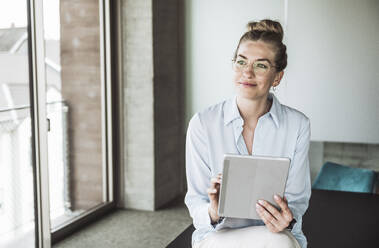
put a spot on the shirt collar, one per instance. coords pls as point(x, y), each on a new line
point(232, 113)
point(275, 110)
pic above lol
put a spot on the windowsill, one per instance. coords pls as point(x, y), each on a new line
point(133, 228)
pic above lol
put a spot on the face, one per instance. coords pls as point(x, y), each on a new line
point(254, 71)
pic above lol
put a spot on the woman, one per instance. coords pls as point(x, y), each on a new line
point(253, 122)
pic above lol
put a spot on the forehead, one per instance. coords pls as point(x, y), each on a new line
point(256, 50)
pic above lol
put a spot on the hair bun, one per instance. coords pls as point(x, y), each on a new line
point(266, 26)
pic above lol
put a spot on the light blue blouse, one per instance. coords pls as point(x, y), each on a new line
point(283, 132)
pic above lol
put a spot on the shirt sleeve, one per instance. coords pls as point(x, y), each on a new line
point(198, 174)
point(298, 189)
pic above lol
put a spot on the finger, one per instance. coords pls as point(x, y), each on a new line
point(286, 212)
point(282, 204)
point(266, 216)
point(218, 186)
point(271, 227)
point(278, 225)
point(268, 224)
point(273, 211)
point(215, 183)
point(282, 221)
point(215, 180)
point(211, 191)
point(219, 176)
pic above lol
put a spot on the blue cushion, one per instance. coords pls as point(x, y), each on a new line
point(343, 178)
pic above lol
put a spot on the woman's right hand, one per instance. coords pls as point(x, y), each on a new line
point(213, 194)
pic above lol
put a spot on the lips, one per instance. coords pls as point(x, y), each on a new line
point(248, 84)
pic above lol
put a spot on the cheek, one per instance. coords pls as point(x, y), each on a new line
point(236, 76)
point(267, 82)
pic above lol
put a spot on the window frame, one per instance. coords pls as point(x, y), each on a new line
point(109, 15)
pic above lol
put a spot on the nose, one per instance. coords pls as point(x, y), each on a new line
point(248, 71)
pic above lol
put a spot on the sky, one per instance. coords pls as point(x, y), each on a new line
point(14, 11)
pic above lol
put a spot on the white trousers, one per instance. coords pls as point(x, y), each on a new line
point(248, 237)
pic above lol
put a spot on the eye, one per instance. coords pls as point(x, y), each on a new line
point(261, 65)
point(241, 62)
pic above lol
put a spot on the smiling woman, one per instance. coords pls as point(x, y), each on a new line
point(262, 45)
point(263, 73)
point(255, 123)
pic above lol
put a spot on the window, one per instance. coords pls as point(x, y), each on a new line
point(60, 138)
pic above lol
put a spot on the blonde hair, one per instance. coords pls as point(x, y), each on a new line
point(267, 31)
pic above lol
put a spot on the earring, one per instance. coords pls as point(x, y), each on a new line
point(274, 88)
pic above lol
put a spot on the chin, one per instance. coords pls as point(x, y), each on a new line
point(245, 94)
point(252, 95)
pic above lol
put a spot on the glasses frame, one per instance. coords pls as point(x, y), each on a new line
point(250, 63)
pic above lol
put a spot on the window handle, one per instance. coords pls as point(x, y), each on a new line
point(48, 124)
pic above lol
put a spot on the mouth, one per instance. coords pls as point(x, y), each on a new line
point(246, 84)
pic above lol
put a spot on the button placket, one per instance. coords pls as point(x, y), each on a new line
point(241, 143)
point(255, 147)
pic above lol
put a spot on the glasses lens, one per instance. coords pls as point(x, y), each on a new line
point(240, 64)
point(261, 67)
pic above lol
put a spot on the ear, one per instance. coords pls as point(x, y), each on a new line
point(277, 79)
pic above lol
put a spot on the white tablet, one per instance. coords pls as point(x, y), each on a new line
point(247, 179)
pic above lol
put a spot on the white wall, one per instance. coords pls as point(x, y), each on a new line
point(333, 74)
point(213, 29)
point(333, 51)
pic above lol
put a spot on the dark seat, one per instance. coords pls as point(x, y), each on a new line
point(334, 219)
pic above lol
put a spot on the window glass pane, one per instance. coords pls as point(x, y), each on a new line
point(16, 171)
point(74, 107)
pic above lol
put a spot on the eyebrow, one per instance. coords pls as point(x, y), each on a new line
point(263, 59)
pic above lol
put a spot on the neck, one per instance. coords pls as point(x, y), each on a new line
point(250, 110)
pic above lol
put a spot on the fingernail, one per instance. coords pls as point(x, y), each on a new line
point(276, 197)
point(257, 205)
point(261, 202)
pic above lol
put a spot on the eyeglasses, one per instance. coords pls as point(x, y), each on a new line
point(260, 67)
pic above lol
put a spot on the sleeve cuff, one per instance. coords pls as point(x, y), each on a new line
point(202, 218)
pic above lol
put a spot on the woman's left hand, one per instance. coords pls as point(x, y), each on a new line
point(276, 221)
